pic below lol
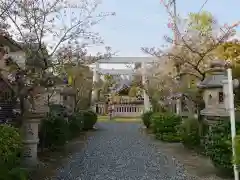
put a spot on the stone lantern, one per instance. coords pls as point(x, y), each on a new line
point(35, 112)
point(68, 95)
point(214, 88)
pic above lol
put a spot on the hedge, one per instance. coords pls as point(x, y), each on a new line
point(56, 130)
point(165, 126)
point(218, 145)
point(146, 118)
point(192, 134)
point(75, 124)
point(10, 154)
point(90, 119)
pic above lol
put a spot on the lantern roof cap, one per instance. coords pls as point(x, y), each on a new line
point(216, 75)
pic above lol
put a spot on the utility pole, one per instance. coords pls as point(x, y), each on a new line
point(232, 117)
point(175, 41)
point(175, 33)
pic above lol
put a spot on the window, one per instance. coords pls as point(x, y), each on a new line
point(220, 97)
point(210, 99)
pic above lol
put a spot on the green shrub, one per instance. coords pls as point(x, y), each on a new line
point(10, 143)
point(10, 154)
point(90, 119)
point(237, 139)
point(58, 109)
point(75, 124)
point(219, 147)
point(165, 126)
point(190, 133)
point(54, 131)
point(146, 118)
point(237, 149)
point(16, 173)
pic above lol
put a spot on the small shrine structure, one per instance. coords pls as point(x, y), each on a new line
point(123, 109)
point(123, 104)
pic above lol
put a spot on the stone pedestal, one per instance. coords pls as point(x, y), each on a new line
point(178, 106)
point(30, 126)
point(96, 79)
point(213, 116)
point(147, 104)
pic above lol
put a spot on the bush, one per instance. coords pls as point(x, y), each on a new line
point(190, 133)
point(75, 124)
point(90, 119)
point(10, 154)
point(165, 126)
point(54, 131)
point(146, 118)
point(219, 147)
point(58, 109)
point(237, 149)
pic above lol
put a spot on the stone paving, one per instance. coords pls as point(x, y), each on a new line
point(119, 151)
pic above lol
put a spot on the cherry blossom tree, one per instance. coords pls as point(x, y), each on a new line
point(45, 28)
point(4, 6)
point(196, 40)
point(41, 23)
point(195, 46)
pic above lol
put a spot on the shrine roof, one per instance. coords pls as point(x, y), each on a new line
point(125, 83)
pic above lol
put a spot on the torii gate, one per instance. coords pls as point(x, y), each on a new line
point(123, 60)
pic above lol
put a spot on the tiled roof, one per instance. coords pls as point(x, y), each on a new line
point(124, 83)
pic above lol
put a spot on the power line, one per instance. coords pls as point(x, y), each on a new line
point(202, 6)
point(173, 2)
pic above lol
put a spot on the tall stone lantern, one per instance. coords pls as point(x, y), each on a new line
point(68, 95)
point(214, 88)
point(35, 112)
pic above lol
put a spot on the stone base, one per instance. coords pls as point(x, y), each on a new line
point(213, 120)
point(30, 138)
point(215, 112)
point(38, 165)
point(30, 158)
point(213, 116)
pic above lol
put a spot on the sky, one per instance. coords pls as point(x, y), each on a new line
point(143, 23)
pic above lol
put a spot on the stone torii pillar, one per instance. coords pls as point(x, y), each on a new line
point(96, 78)
point(145, 95)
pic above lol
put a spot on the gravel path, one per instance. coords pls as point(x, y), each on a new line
point(119, 151)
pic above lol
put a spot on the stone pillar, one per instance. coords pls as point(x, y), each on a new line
point(178, 106)
point(31, 122)
point(145, 95)
point(95, 81)
point(225, 91)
